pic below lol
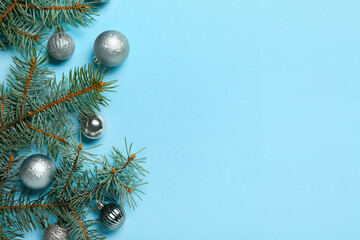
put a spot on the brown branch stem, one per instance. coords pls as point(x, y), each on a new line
point(46, 133)
point(16, 3)
point(81, 224)
point(2, 107)
point(7, 170)
point(8, 10)
point(26, 34)
point(50, 105)
point(73, 168)
point(23, 33)
point(32, 68)
point(34, 206)
point(3, 234)
point(132, 157)
point(77, 6)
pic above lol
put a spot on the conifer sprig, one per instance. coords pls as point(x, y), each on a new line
point(38, 112)
point(35, 108)
point(73, 192)
point(119, 179)
point(23, 23)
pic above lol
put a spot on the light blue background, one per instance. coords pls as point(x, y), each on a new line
point(249, 109)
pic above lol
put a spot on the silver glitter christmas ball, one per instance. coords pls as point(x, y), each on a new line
point(112, 215)
point(37, 171)
point(55, 232)
point(93, 126)
point(61, 46)
point(111, 48)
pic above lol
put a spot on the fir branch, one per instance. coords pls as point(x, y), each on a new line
point(127, 188)
point(25, 214)
point(70, 12)
point(44, 205)
point(88, 195)
point(23, 23)
point(37, 38)
point(8, 10)
point(8, 173)
point(77, 6)
point(95, 86)
point(119, 180)
point(3, 234)
point(71, 209)
point(36, 109)
point(73, 168)
point(23, 35)
point(5, 175)
point(81, 223)
point(78, 226)
point(132, 157)
point(33, 64)
point(2, 106)
point(33, 108)
point(9, 233)
point(46, 133)
point(70, 172)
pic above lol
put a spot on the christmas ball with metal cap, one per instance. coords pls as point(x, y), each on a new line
point(37, 171)
point(111, 48)
point(112, 215)
point(93, 126)
point(56, 232)
point(61, 45)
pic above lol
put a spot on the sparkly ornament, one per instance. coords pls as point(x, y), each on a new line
point(111, 48)
point(112, 215)
point(55, 232)
point(37, 171)
point(93, 126)
point(61, 46)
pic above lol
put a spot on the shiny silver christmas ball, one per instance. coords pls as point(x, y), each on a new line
point(61, 46)
point(55, 232)
point(37, 171)
point(111, 48)
point(93, 126)
point(112, 215)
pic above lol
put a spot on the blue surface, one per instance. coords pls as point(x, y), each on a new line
point(249, 109)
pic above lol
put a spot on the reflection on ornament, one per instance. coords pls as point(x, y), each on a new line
point(93, 126)
point(112, 215)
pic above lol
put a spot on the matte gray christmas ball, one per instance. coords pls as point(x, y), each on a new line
point(112, 215)
point(61, 46)
point(93, 126)
point(56, 232)
point(111, 48)
point(37, 171)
